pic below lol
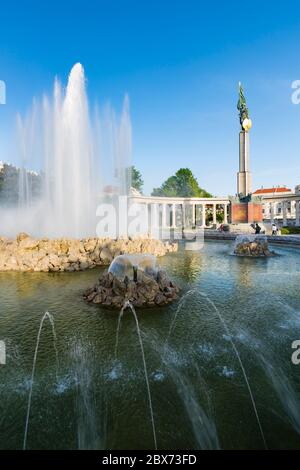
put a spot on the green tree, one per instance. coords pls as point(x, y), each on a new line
point(136, 179)
point(182, 184)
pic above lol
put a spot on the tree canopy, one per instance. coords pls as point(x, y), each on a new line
point(136, 179)
point(182, 184)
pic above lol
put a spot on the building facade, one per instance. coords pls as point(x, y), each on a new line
point(281, 205)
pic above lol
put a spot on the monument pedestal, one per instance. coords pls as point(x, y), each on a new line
point(246, 212)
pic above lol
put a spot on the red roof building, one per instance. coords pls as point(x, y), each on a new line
point(272, 191)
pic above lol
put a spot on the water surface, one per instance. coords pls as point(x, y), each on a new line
point(199, 394)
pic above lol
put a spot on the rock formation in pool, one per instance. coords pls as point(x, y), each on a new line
point(255, 246)
point(135, 278)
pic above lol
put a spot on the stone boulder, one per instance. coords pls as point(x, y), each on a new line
point(147, 291)
point(252, 246)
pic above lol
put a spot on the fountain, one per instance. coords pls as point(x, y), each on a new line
point(255, 246)
point(134, 278)
point(83, 158)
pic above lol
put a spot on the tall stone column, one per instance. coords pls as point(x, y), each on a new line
point(244, 183)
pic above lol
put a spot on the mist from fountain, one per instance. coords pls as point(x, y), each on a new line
point(83, 158)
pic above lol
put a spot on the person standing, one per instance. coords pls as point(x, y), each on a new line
point(274, 229)
point(257, 229)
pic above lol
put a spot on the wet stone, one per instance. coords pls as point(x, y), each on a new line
point(147, 291)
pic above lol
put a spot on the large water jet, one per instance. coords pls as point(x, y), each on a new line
point(83, 158)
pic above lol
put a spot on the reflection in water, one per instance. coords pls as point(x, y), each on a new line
point(190, 266)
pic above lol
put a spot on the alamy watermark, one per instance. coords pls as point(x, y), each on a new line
point(2, 353)
point(2, 92)
point(295, 97)
point(296, 354)
point(124, 218)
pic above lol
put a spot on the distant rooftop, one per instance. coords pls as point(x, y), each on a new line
point(274, 190)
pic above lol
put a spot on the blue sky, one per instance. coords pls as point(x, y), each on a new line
point(180, 63)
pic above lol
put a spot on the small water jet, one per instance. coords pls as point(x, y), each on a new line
point(200, 415)
point(237, 354)
point(128, 304)
point(135, 278)
point(181, 303)
point(255, 246)
point(224, 324)
point(118, 328)
point(51, 320)
point(91, 432)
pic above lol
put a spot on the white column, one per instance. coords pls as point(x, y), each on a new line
point(268, 215)
point(203, 215)
point(293, 209)
point(154, 223)
point(297, 212)
point(183, 215)
point(214, 214)
point(272, 212)
point(225, 214)
point(193, 214)
point(147, 220)
point(164, 214)
point(284, 219)
point(173, 216)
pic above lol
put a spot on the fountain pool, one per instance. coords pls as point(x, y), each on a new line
point(200, 399)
